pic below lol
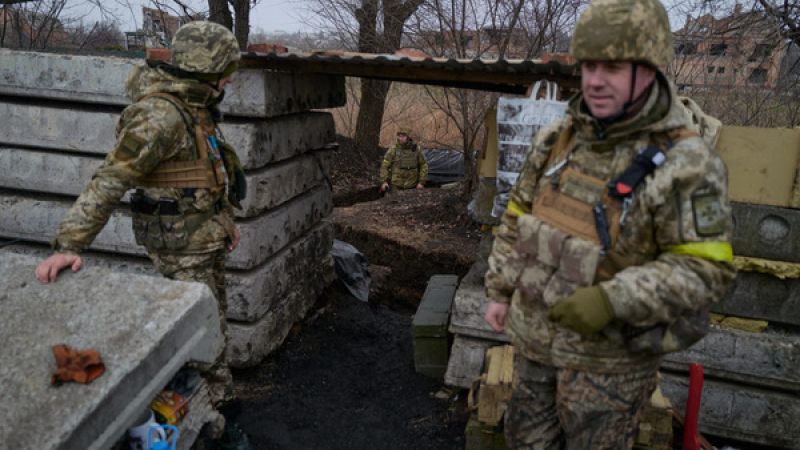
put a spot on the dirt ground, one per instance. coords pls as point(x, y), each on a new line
point(345, 377)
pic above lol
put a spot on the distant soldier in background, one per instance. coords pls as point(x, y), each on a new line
point(405, 163)
point(187, 180)
point(616, 239)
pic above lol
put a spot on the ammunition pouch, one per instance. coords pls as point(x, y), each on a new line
point(158, 224)
point(163, 224)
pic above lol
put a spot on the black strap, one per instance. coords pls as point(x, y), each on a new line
point(645, 163)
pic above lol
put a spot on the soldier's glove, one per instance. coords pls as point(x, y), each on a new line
point(82, 366)
point(586, 311)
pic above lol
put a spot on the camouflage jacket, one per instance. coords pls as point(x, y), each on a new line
point(664, 237)
point(148, 132)
point(407, 164)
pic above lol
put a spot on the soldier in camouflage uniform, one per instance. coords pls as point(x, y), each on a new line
point(405, 162)
point(615, 241)
point(186, 177)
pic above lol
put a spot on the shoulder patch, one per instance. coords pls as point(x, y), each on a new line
point(708, 217)
point(129, 146)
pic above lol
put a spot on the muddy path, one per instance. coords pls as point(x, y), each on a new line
point(345, 378)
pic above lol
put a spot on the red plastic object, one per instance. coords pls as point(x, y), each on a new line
point(691, 441)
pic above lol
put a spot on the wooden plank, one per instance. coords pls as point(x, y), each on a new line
point(508, 365)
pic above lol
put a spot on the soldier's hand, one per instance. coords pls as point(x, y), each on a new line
point(236, 236)
point(496, 313)
point(384, 186)
point(48, 270)
point(586, 311)
point(419, 186)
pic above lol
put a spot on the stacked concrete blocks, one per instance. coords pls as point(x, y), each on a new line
point(60, 113)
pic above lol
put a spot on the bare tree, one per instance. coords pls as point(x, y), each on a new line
point(101, 35)
point(220, 11)
point(369, 26)
point(495, 30)
point(33, 25)
point(739, 61)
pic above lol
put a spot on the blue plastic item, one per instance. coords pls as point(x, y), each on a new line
point(162, 445)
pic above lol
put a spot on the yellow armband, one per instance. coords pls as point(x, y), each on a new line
point(713, 251)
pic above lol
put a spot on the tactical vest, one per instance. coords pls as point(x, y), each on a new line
point(407, 160)
point(206, 171)
point(167, 223)
point(577, 205)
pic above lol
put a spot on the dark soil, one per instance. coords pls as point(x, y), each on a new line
point(346, 380)
point(345, 376)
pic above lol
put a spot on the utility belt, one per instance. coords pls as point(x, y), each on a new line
point(165, 224)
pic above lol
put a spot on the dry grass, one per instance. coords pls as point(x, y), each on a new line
point(407, 105)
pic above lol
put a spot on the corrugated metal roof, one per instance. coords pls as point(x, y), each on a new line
point(508, 76)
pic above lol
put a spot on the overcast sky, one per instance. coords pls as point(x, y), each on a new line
point(271, 15)
point(268, 15)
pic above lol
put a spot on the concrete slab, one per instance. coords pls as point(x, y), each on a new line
point(101, 80)
point(249, 291)
point(144, 328)
point(35, 219)
point(767, 232)
point(46, 172)
point(466, 360)
point(469, 307)
point(250, 343)
point(762, 296)
point(738, 412)
point(768, 360)
point(252, 294)
point(89, 129)
point(68, 175)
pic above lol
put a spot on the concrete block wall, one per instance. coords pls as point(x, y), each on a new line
point(59, 115)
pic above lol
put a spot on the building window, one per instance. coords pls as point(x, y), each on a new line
point(711, 69)
point(760, 52)
point(686, 48)
point(721, 70)
point(717, 49)
point(758, 76)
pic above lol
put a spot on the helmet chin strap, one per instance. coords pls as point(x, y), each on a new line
point(631, 101)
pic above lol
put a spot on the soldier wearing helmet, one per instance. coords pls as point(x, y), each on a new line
point(404, 164)
point(186, 178)
point(616, 239)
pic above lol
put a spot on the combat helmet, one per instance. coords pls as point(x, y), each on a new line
point(407, 132)
point(624, 30)
point(206, 50)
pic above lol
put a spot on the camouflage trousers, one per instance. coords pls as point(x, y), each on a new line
point(554, 409)
point(207, 268)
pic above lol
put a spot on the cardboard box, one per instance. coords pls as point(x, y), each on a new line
point(762, 164)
